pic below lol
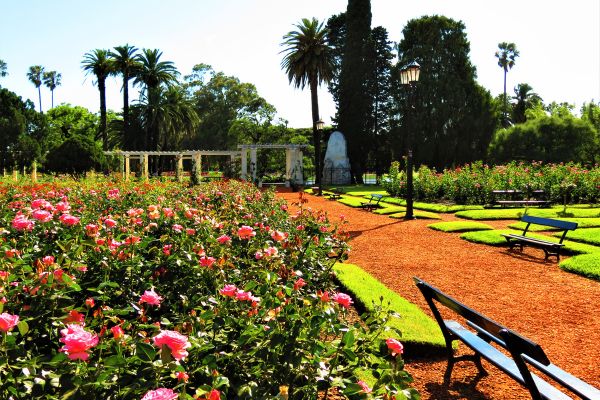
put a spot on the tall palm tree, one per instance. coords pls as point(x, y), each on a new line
point(3, 69)
point(126, 64)
point(99, 63)
point(35, 76)
point(506, 55)
point(308, 60)
point(525, 98)
point(152, 74)
point(52, 79)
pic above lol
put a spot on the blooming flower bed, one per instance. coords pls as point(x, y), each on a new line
point(116, 291)
point(474, 183)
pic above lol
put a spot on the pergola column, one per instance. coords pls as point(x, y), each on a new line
point(289, 166)
point(144, 163)
point(253, 163)
point(34, 171)
point(127, 166)
point(245, 164)
point(179, 168)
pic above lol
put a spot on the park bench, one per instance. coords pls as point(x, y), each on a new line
point(336, 193)
point(373, 202)
point(515, 198)
point(526, 361)
point(550, 248)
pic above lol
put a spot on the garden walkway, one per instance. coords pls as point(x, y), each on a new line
point(559, 310)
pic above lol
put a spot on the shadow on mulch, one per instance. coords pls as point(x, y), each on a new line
point(456, 390)
point(528, 257)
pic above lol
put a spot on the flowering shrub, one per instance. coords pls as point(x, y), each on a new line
point(116, 291)
point(474, 183)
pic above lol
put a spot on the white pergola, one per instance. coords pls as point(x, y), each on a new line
point(142, 156)
point(293, 160)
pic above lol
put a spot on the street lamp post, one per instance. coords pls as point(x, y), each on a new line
point(409, 76)
point(319, 173)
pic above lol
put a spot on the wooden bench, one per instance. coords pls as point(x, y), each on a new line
point(526, 361)
point(550, 248)
point(373, 202)
point(515, 198)
point(336, 193)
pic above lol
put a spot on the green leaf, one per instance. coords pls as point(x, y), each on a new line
point(348, 339)
point(23, 327)
point(165, 354)
point(145, 352)
point(114, 361)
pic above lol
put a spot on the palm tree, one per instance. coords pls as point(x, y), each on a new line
point(506, 54)
point(52, 79)
point(35, 76)
point(99, 63)
point(127, 65)
point(152, 74)
point(308, 60)
point(3, 69)
point(525, 99)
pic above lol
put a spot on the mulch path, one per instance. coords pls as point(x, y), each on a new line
point(558, 310)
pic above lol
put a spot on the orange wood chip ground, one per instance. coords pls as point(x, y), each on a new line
point(557, 309)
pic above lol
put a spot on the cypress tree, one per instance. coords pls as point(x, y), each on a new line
point(353, 104)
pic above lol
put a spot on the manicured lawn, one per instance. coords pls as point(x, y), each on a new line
point(589, 235)
point(516, 213)
point(389, 210)
point(460, 226)
point(434, 207)
point(494, 238)
point(415, 325)
point(585, 264)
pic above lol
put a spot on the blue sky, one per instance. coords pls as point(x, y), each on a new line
point(559, 42)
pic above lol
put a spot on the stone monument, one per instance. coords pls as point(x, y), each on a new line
point(336, 168)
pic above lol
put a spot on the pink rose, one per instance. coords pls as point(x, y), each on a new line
point(68, 219)
point(223, 239)
point(177, 228)
point(42, 215)
point(77, 342)
point(270, 251)
point(207, 261)
point(174, 341)
point(229, 290)
point(151, 297)
point(278, 236)
point(365, 387)
point(395, 346)
point(48, 260)
point(161, 394)
point(41, 203)
point(246, 232)
point(168, 212)
point(91, 230)
point(22, 223)
point(167, 249)
point(299, 284)
point(342, 299)
point(110, 223)
point(8, 321)
point(213, 395)
point(63, 206)
point(117, 332)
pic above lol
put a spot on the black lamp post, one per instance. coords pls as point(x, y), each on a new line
point(319, 175)
point(409, 76)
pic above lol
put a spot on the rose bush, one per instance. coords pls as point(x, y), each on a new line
point(474, 183)
point(121, 291)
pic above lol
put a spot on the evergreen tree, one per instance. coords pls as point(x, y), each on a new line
point(453, 117)
point(353, 105)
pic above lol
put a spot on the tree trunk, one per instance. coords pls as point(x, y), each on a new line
point(103, 133)
point(40, 97)
point(314, 99)
point(126, 138)
point(52, 93)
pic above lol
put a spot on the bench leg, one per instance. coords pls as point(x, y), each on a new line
point(476, 358)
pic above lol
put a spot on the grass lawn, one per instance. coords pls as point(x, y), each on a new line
point(516, 213)
point(459, 226)
point(494, 238)
point(434, 207)
point(589, 235)
point(415, 325)
point(389, 210)
point(585, 264)
point(581, 222)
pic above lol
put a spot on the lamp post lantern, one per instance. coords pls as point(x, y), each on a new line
point(318, 176)
point(409, 76)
